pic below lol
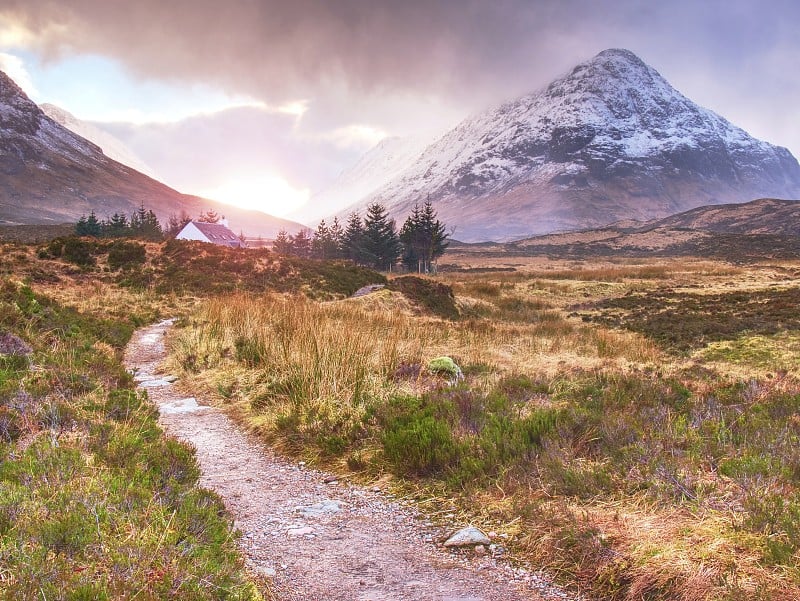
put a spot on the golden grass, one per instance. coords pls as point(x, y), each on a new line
point(274, 349)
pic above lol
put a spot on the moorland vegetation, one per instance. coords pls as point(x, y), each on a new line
point(631, 425)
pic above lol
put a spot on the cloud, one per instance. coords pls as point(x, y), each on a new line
point(390, 65)
point(207, 151)
point(14, 67)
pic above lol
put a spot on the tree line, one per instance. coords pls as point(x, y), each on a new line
point(142, 223)
point(373, 241)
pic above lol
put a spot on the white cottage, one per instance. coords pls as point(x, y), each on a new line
point(215, 233)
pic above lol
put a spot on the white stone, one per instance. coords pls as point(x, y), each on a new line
point(467, 537)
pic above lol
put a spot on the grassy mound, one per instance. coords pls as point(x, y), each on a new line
point(433, 297)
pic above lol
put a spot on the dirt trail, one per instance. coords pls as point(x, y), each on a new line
point(321, 540)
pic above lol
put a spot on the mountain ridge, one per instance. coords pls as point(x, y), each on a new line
point(49, 175)
point(610, 140)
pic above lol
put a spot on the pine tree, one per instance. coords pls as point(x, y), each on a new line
point(424, 238)
point(410, 236)
point(89, 226)
point(210, 216)
point(117, 226)
point(381, 245)
point(282, 245)
point(301, 244)
point(176, 223)
point(353, 239)
point(434, 235)
point(337, 236)
point(323, 245)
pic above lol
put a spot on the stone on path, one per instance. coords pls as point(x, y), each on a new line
point(318, 509)
point(467, 537)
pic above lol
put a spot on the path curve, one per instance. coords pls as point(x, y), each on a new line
point(320, 540)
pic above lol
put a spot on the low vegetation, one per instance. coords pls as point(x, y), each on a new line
point(610, 456)
point(95, 502)
point(631, 425)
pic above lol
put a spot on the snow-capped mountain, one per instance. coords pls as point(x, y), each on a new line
point(49, 174)
point(381, 164)
point(611, 140)
point(111, 146)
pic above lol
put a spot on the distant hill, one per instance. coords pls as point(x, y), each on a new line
point(764, 216)
point(611, 140)
point(740, 233)
point(51, 175)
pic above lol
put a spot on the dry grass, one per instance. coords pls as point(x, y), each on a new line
point(646, 484)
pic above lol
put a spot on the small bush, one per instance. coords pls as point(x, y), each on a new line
point(126, 255)
point(420, 445)
point(433, 296)
point(79, 252)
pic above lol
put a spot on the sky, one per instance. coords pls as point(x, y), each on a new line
point(264, 102)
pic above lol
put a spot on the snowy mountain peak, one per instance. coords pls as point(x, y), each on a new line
point(610, 140)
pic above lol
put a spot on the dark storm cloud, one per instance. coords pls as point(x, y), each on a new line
point(353, 59)
point(280, 49)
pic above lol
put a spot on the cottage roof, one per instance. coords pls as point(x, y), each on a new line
point(218, 233)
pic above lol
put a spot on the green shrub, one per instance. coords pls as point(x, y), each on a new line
point(126, 255)
point(435, 297)
point(420, 445)
point(79, 252)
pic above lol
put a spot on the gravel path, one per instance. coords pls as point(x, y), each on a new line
point(319, 539)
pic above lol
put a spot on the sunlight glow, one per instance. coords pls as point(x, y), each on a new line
point(263, 192)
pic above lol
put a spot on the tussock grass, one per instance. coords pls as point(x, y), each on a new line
point(624, 469)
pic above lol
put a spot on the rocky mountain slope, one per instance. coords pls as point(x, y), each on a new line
point(111, 146)
point(611, 140)
point(49, 174)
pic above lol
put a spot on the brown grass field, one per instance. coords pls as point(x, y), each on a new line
point(631, 424)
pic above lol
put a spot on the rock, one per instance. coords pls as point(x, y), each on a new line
point(265, 571)
point(301, 531)
point(318, 509)
point(330, 479)
point(367, 290)
point(171, 379)
point(480, 550)
point(467, 537)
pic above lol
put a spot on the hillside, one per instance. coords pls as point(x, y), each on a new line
point(52, 175)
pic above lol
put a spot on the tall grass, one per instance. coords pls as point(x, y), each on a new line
point(637, 476)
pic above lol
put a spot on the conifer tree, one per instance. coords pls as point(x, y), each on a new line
point(301, 244)
point(323, 245)
point(282, 245)
point(117, 226)
point(424, 238)
point(210, 216)
point(381, 245)
point(176, 223)
point(353, 239)
point(89, 226)
point(337, 236)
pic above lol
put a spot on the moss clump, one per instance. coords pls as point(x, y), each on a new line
point(445, 366)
